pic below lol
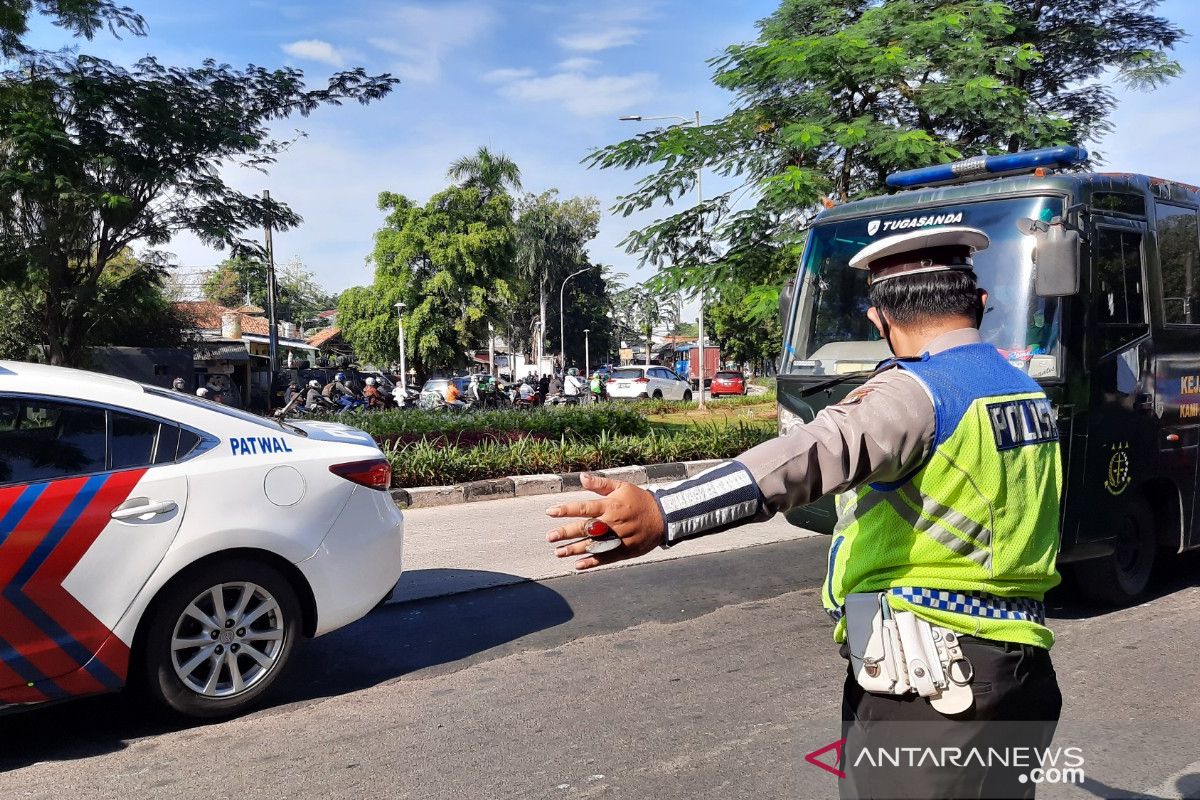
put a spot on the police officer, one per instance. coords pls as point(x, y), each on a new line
point(947, 472)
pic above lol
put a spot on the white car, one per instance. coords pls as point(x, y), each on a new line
point(151, 537)
point(653, 382)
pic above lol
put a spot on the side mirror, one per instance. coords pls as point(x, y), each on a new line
point(786, 294)
point(1055, 257)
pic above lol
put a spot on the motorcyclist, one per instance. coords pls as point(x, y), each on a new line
point(202, 393)
point(314, 400)
point(179, 385)
point(338, 392)
point(474, 391)
point(573, 385)
point(554, 389)
point(454, 396)
point(596, 384)
point(372, 394)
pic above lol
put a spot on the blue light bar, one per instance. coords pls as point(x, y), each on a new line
point(988, 166)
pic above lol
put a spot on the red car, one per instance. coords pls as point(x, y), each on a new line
point(727, 382)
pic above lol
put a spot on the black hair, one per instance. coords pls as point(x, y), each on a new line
point(914, 300)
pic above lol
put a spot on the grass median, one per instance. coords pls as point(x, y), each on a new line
point(439, 448)
point(428, 463)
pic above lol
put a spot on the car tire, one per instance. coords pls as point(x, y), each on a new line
point(657, 394)
point(261, 628)
point(1120, 579)
point(687, 396)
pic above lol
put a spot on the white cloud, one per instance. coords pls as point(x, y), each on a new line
point(605, 26)
point(577, 65)
point(315, 50)
point(505, 75)
point(422, 36)
point(585, 96)
point(603, 39)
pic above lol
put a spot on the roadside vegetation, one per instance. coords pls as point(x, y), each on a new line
point(430, 449)
point(426, 463)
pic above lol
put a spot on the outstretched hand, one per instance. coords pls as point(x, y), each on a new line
point(630, 511)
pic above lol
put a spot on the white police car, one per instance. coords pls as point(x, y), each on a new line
point(152, 538)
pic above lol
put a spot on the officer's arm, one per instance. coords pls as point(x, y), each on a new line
point(880, 433)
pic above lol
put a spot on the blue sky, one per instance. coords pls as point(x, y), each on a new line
point(543, 82)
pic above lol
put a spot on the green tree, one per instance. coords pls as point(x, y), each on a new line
point(551, 237)
point(835, 94)
point(449, 261)
point(80, 17)
point(96, 156)
point(299, 298)
point(743, 336)
point(131, 309)
point(490, 173)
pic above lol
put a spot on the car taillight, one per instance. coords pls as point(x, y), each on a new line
point(374, 473)
point(641, 380)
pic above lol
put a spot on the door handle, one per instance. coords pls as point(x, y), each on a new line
point(145, 509)
point(1143, 402)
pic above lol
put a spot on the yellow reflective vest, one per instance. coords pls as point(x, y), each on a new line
point(969, 540)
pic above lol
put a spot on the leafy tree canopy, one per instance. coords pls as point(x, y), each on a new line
point(449, 261)
point(835, 94)
point(98, 156)
point(490, 173)
point(299, 298)
point(80, 17)
point(131, 310)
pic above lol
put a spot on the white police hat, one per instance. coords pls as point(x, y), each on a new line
point(931, 250)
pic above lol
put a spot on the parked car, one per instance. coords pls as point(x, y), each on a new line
point(653, 381)
point(728, 382)
point(186, 546)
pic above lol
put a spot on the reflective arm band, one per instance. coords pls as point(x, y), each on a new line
point(713, 501)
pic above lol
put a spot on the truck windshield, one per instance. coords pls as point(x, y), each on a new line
point(832, 335)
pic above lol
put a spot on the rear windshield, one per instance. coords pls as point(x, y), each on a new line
point(728, 375)
point(627, 373)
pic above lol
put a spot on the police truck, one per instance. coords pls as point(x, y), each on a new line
point(1094, 291)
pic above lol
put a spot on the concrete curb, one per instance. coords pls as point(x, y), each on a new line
point(527, 485)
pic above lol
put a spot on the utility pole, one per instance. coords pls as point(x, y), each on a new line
point(400, 321)
point(700, 324)
point(272, 333)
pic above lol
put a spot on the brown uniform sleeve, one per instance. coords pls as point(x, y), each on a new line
point(882, 431)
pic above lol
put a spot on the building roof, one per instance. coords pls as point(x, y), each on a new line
point(321, 338)
point(205, 315)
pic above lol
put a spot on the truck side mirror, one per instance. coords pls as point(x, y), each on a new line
point(1055, 257)
point(785, 302)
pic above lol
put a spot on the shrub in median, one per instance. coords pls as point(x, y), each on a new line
point(426, 463)
point(555, 422)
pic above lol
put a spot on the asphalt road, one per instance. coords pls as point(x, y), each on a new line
point(702, 677)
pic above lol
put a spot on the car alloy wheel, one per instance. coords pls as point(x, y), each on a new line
point(228, 639)
point(217, 637)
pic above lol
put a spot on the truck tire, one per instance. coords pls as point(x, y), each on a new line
point(1120, 579)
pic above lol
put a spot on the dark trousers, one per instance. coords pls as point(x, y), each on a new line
point(896, 745)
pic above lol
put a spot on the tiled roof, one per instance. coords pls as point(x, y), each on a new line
point(206, 316)
point(320, 339)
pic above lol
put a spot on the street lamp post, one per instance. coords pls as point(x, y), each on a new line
point(400, 319)
point(695, 120)
point(587, 361)
point(562, 340)
point(491, 350)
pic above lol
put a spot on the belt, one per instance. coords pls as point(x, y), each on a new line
point(975, 604)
